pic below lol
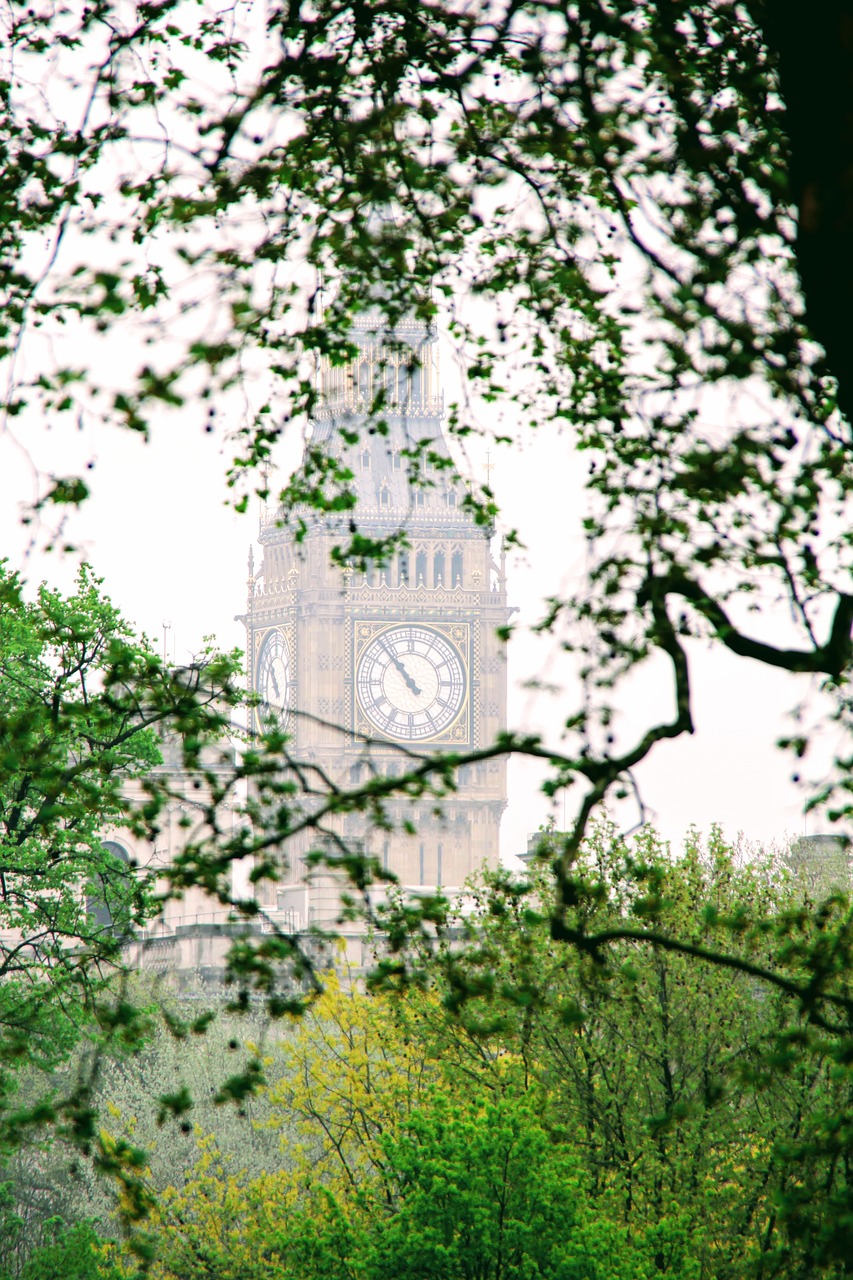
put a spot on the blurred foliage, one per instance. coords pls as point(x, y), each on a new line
point(630, 212)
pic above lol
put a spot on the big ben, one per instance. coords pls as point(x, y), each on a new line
point(368, 665)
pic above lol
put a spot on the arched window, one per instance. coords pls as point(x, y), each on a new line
point(109, 897)
point(438, 867)
point(438, 569)
point(386, 850)
point(384, 497)
point(456, 569)
point(397, 461)
point(420, 568)
point(403, 569)
point(451, 498)
point(365, 460)
point(117, 850)
point(420, 497)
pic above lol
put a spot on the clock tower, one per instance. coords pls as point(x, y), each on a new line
point(367, 666)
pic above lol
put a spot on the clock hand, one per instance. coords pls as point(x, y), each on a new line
point(274, 681)
point(403, 672)
point(408, 679)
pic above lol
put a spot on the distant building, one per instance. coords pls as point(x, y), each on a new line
point(193, 932)
point(365, 665)
point(404, 654)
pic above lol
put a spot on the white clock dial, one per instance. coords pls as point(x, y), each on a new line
point(273, 676)
point(411, 682)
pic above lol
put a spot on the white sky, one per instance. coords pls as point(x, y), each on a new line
point(159, 531)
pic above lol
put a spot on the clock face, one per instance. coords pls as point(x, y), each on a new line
point(273, 682)
point(411, 682)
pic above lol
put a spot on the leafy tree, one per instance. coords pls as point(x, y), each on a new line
point(703, 1103)
point(348, 1077)
point(81, 701)
point(69, 748)
point(73, 1253)
point(462, 1188)
point(131, 1098)
point(537, 1109)
point(483, 1192)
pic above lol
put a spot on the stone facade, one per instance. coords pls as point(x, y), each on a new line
point(191, 936)
point(384, 661)
point(367, 666)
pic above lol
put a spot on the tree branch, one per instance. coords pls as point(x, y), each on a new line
point(831, 658)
